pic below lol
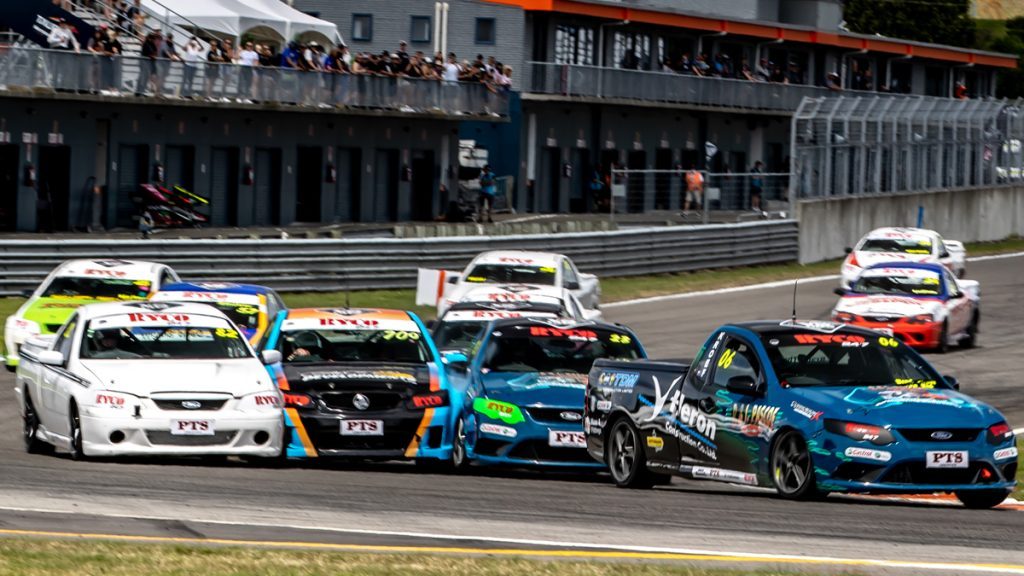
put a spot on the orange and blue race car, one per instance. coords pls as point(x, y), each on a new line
point(252, 308)
point(362, 383)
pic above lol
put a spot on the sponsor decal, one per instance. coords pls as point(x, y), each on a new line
point(656, 442)
point(723, 475)
point(684, 421)
point(192, 427)
point(347, 311)
point(495, 314)
point(757, 415)
point(205, 295)
point(571, 334)
point(508, 297)
point(105, 273)
point(885, 398)
point(868, 454)
point(1005, 453)
point(806, 412)
point(914, 383)
point(498, 410)
point(829, 339)
point(593, 426)
point(819, 325)
point(427, 401)
point(357, 375)
point(362, 427)
point(567, 439)
point(603, 405)
point(111, 263)
point(59, 305)
point(498, 430)
point(620, 380)
point(144, 317)
point(511, 260)
point(349, 322)
point(109, 400)
point(267, 400)
point(946, 459)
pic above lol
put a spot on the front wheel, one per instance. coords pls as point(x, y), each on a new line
point(792, 468)
point(971, 340)
point(460, 459)
point(981, 499)
point(626, 459)
point(75, 449)
point(943, 345)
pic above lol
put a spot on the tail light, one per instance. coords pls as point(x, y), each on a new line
point(860, 432)
point(293, 400)
point(999, 433)
point(432, 400)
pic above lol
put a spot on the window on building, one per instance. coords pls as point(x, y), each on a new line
point(362, 27)
point(574, 45)
point(420, 29)
point(632, 51)
point(486, 31)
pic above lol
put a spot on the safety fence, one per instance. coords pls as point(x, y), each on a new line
point(89, 73)
point(846, 146)
point(358, 264)
point(642, 190)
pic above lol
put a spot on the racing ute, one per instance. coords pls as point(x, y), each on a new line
point(806, 408)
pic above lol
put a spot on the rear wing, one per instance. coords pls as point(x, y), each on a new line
point(433, 285)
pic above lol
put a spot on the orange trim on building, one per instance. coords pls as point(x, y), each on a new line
point(757, 30)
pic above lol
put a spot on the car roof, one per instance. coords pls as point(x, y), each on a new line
point(900, 232)
point(342, 312)
point(518, 257)
point(109, 267)
point(760, 327)
point(561, 323)
point(224, 287)
point(91, 311)
point(930, 266)
point(522, 292)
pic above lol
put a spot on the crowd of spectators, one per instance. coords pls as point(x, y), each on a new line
point(723, 66)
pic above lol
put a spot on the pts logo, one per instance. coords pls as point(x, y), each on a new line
point(341, 322)
point(144, 317)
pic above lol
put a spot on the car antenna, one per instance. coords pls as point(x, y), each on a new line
point(795, 283)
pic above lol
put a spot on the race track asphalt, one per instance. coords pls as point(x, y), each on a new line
point(397, 503)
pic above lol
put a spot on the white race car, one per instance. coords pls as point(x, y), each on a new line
point(921, 304)
point(458, 328)
point(149, 378)
point(76, 283)
point(443, 288)
point(902, 245)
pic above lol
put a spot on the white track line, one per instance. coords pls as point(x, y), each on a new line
point(765, 557)
point(763, 285)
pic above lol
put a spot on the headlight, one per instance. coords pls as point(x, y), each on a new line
point(261, 402)
point(860, 432)
point(21, 329)
point(498, 410)
point(921, 319)
point(999, 433)
point(844, 317)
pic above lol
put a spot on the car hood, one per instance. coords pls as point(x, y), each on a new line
point(866, 259)
point(536, 388)
point(898, 406)
point(53, 311)
point(333, 376)
point(146, 377)
point(885, 305)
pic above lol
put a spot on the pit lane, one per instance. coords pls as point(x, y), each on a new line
point(396, 503)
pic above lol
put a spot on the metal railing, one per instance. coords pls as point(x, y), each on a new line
point(668, 87)
point(362, 264)
point(636, 190)
point(84, 72)
point(849, 146)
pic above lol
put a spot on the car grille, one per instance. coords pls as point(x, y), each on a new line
point(917, 473)
point(326, 435)
point(925, 434)
point(205, 404)
point(540, 451)
point(552, 415)
point(378, 400)
point(162, 438)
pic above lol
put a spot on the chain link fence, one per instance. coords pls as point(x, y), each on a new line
point(636, 190)
point(845, 146)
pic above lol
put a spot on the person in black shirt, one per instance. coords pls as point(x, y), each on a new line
point(214, 60)
point(147, 67)
point(112, 50)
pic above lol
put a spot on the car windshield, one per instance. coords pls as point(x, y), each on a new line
point(526, 348)
point(846, 359)
point(460, 335)
point(186, 342)
point(97, 288)
point(354, 345)
point(916, 246)
point(924, 283)
point(244, 315)
point(512, 273)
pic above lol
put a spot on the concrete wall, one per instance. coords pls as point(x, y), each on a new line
point(829, 225)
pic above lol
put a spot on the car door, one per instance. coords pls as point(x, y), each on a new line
point(54, 381)
point(745, 420)
point(958, 305)
point(691, 409)
point(945, 258)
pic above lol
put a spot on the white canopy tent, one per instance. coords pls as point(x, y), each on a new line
point(299, 23)
point(222, 17)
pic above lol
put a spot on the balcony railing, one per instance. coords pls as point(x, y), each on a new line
point(666, 87)
point(134, 76)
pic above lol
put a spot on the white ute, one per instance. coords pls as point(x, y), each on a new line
point(902, 245)
point(148, 378)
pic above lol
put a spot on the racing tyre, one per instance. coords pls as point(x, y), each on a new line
point(971, 339)
point(792, 468)
point(943, 346)
point(981, 499)
point(33, 445)
point(626, 459)
point(75, 450)
point(460, 460)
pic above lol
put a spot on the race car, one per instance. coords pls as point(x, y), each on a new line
point(444, 288)
point(148, 378)
point(362, 383)
point(921, 304)
point(461, 324)
point(252, 308)
point(804, 407)
point(75, 283)
point(902, 245)
point(524, 391)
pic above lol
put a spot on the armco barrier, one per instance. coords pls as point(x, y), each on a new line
point(362, 264)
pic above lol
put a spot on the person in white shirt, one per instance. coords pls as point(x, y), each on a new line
point(195, 55)
point(451, 69)
point(247, 59)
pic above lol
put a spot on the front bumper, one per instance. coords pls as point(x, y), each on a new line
point(531, 447)
point(925, 335)
point(234, 434)
point(406, 434)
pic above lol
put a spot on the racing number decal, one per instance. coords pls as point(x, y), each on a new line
point(226, 333)
point(401, 335)
point(725, 360)
point(247, 310)
point(620, 339)
point(888, 342)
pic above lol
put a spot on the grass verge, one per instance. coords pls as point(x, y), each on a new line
point(39, 557)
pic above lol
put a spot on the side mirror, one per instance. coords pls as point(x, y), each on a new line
point(742, 385)
point(269, 357)
point(51, 358)
point(455, 360)
point(430, 324)
point(952, 381)
point(848, 249)
point(572, 285)
point(839, 292)
point(453, 279)
point(957, 296)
